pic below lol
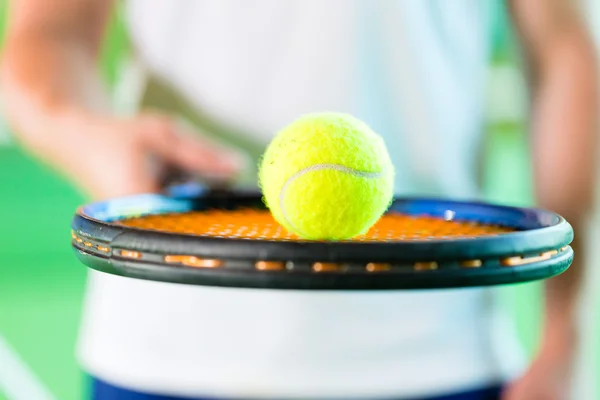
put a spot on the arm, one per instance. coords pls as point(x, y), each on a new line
point(563, 72)
point(49, 61)
point(60, 110)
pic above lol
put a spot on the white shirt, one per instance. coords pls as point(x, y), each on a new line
point(414, 70)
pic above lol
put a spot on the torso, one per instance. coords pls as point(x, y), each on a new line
point(415, 72)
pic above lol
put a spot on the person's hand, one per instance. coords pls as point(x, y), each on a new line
point(109, 156)
point(548, 377)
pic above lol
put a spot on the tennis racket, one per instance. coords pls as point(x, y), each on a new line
point(227, 238)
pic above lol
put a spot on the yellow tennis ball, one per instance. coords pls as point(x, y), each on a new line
point(327, 176)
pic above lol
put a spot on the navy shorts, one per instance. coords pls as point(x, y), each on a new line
point(101, 390)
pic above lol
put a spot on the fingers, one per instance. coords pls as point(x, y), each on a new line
point(122, 172)
point(124, 157)
point(167, 139)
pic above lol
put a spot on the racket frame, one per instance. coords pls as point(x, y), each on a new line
point(538, 249)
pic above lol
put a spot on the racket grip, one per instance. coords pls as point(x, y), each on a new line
point(171, 176)
point(182, 184)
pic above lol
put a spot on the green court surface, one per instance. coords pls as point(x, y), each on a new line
point(41, 283)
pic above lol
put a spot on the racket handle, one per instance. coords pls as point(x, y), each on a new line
point(187, 190)
point(171, 176)
point(181, 184)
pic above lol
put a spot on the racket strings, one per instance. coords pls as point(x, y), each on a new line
point(254, 224)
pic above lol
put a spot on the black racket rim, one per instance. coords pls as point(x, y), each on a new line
point(538, 247)
point(404, 279)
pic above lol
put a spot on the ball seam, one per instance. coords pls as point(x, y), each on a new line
point(318, 167)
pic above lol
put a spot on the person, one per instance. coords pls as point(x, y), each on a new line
point(413, 70)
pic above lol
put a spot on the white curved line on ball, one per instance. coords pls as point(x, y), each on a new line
point(318, 167)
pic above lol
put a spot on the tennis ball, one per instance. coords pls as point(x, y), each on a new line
point(327, 176)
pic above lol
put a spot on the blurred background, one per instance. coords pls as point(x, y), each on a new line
point(41, 283)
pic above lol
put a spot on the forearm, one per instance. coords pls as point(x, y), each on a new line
point(42, 77)
point(49, 68)
point(565, 126)
point(565, 143)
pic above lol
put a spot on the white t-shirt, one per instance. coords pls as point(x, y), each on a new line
point(415, 71)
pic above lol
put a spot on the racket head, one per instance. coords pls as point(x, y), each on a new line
point(146, 237)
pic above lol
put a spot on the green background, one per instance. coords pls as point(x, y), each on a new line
point(41, 284)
